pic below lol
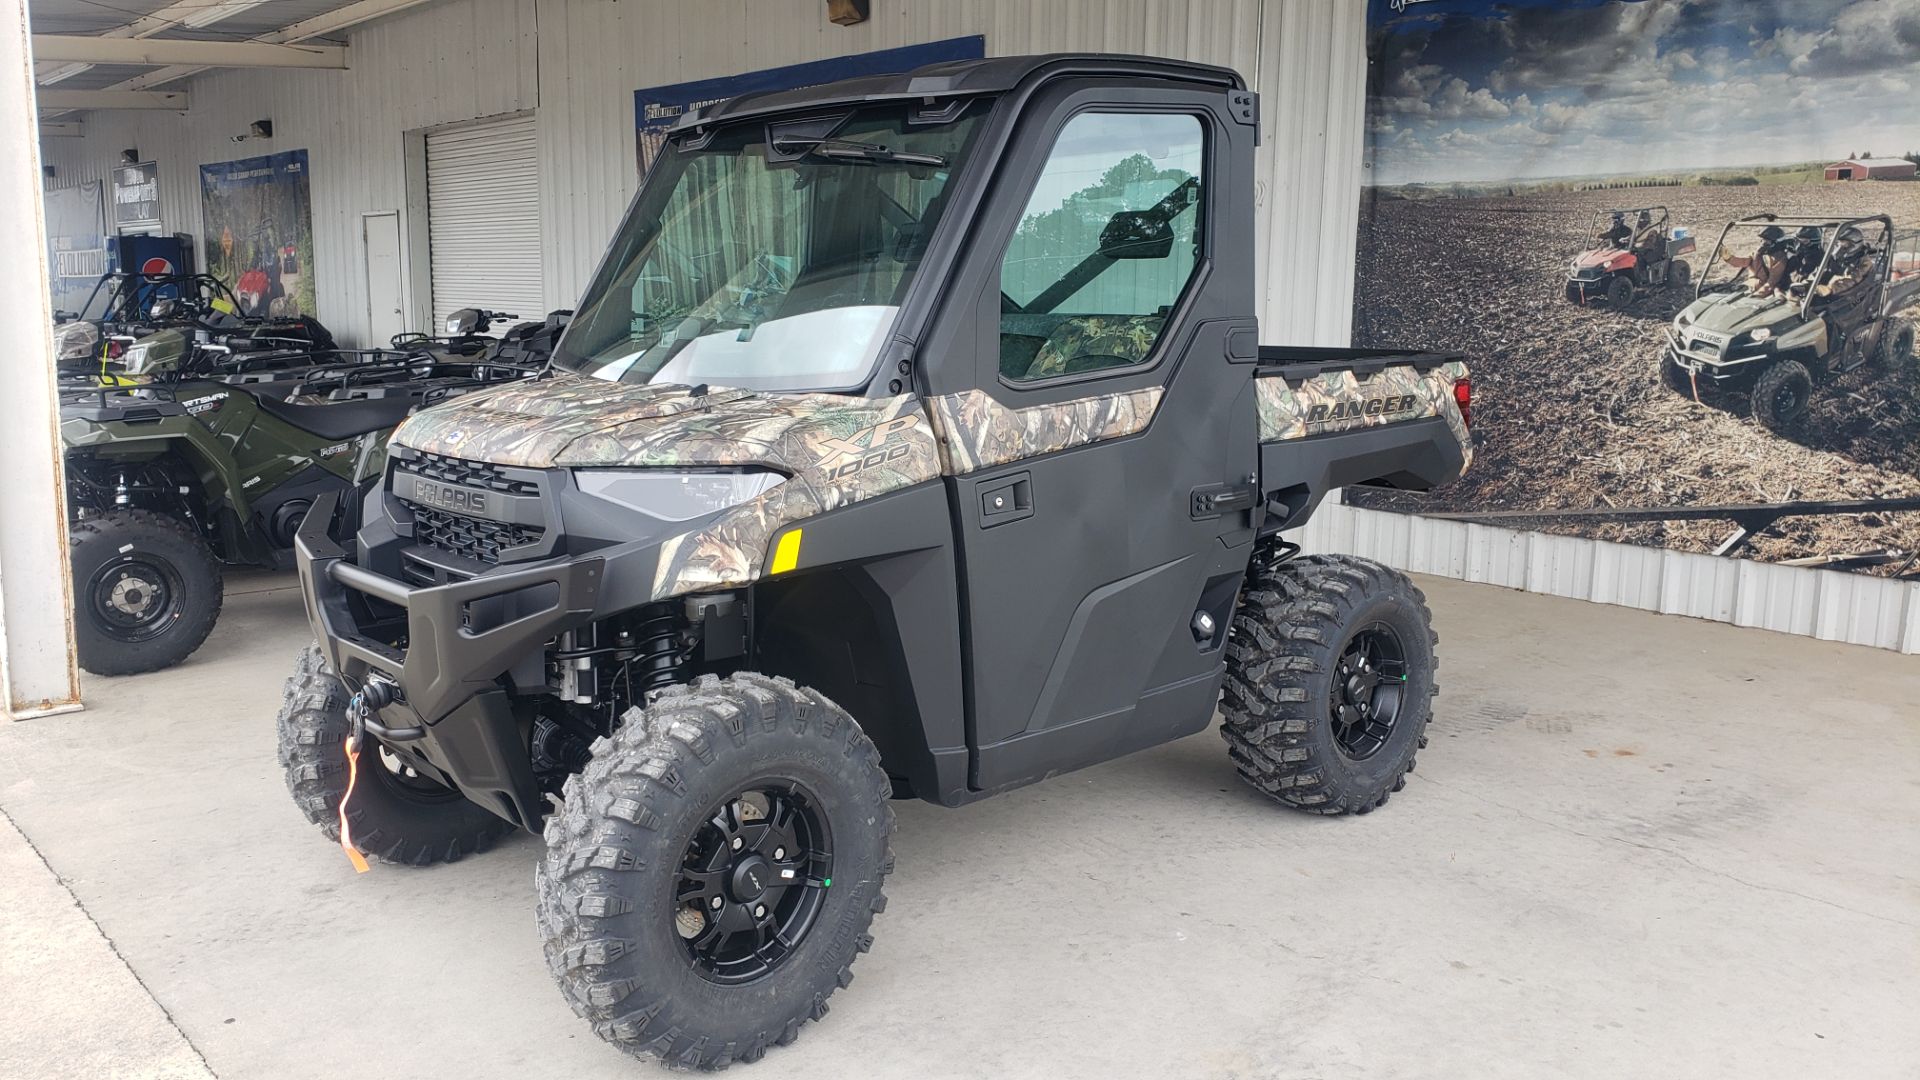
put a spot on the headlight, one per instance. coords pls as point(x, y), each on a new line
point(370, 462)
point(676, 496)
point(1760, 335)
point(75, 341)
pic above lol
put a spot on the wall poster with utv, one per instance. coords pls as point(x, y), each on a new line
point(258, 215)
point(1679, 240)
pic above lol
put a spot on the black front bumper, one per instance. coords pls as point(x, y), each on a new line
point(450, 707)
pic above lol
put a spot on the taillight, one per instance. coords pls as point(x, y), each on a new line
point(1463, 397)
point(116, 349)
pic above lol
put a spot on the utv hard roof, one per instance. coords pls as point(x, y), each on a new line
point(960, 78)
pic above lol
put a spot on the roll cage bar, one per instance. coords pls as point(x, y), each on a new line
point(1832, 227)
point(1605, 217)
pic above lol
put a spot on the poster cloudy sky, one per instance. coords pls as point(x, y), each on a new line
point(1511, 89)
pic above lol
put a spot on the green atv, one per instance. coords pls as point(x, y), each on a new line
point(1816, 298)
point(190, 310)
point(168, 480)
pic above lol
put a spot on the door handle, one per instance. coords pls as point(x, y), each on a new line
point(1005, 498)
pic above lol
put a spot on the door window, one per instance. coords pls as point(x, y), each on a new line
point(1107, 243)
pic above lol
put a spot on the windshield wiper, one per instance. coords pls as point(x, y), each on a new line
point(851, 151)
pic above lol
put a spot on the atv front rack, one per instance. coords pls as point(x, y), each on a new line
point(128, 404)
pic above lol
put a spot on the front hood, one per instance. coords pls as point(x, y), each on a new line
point(1735, 312)
point(580, 422)
point(836, 450)
point(1600, 257)
point(76, 340)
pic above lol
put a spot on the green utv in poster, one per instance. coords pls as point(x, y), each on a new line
point(258, 215)
point(1679, 241)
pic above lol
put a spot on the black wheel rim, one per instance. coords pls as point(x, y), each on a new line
point(1786, 401)
point(753, 881)
point(134, 598)
point(1369, 688)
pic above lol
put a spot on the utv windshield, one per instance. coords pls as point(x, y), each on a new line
point(771, 257)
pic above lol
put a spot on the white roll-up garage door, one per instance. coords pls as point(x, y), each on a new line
point(483, 219)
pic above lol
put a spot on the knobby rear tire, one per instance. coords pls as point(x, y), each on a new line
point(1294, 620)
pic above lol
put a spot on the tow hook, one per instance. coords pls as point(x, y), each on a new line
point(377, 694)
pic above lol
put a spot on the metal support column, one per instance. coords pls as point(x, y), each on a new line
point(37, 672)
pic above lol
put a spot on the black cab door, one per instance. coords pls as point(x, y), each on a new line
point(1096, 378)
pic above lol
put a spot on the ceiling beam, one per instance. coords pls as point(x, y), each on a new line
point(67, 130)
point(111, 99)
point(160, 52)
point(319, 26)
point(193, 14)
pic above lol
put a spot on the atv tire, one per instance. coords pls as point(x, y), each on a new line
point(1896, 344)
point(1781, 395)
point(657, 832)
point(1310, 640)
point(146, 591)
point(1619, 292)
point(399, 818)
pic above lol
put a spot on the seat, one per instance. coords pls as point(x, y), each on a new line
point(341, 419)
point(1092, 342)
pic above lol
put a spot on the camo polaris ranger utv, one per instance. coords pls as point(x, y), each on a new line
point(1836, 306)
point(913, 440)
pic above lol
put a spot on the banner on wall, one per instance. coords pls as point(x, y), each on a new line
point(76, 244)
point(1677, 241)
point(258, 215)
point(658, 109)
point(136, 198)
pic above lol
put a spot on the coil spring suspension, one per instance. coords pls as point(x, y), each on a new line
point(660, 649)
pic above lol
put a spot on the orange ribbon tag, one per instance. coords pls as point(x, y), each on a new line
point(358, 860)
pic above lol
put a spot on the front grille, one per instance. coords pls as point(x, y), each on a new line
point(470, 538)
point(477, 474)
point(1588, 273)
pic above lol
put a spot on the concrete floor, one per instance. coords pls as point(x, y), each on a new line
point(1638, 846)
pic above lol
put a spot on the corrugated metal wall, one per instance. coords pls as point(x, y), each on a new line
point(452, 61)
point(576, 63)
point(1827, 604)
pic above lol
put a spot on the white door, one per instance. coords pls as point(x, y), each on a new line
point(483, 219)
point(385, 316)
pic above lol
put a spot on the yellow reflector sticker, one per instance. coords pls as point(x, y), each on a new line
point(786, 555)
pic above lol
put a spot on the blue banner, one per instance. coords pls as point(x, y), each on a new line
point(658, 109)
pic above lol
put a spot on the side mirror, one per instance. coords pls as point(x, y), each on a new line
point(464, 321)
point(1136, 234)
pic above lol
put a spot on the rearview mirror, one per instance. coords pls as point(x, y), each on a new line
point(1136, 234)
